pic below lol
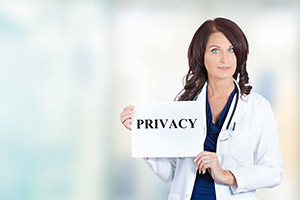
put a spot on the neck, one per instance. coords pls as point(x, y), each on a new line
point(220, 87)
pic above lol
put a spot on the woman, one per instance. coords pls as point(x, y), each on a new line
point(241, 149)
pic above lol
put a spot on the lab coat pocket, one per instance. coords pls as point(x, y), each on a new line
point(240, 148)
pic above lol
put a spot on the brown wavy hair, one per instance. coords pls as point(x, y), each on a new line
point(197, 73)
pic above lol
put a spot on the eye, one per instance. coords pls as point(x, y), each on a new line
point(215, 50)
point(230, 50)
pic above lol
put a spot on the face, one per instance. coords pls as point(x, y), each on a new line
point(219, 57)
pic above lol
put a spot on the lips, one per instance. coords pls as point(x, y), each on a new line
point(223, 68)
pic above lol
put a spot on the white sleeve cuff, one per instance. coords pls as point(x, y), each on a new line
point(239, 181)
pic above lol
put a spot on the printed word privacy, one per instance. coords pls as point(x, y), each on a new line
point(165, 123)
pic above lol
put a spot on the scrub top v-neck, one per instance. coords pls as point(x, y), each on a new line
point(204, 188)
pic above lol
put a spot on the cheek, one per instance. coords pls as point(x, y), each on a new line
point(233, 62)
point(233, 59)
point(209, 62)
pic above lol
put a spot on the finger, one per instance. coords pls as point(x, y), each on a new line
point(203, 165)
point(198, 157)
point(209, 170)
point(126, 112)
point(125, 117)
point(123, 113)
point(202, 159)
point(204, 171)
point(127, 124)
point(203, 153)
point(129, 108)
point(211, 162)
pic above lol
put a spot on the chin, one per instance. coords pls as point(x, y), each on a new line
point(221, 76)
point(225, 76)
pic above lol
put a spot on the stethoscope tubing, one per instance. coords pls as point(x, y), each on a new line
point(235, 105)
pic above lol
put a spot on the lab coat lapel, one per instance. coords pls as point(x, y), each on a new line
point(202, 101)
point(241, 108)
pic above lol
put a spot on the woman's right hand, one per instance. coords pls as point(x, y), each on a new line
point(126, 116)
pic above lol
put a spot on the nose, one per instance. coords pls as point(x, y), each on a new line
point(224, 57)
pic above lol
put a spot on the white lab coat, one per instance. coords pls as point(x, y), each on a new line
point(251, 152)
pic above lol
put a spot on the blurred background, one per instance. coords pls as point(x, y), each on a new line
point(67, 69)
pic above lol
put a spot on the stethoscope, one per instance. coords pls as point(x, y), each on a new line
point(224, 135)
point(235, 105)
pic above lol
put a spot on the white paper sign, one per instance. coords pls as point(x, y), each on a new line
point(167, 129)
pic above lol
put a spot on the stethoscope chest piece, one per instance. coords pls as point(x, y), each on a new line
point(224, 135)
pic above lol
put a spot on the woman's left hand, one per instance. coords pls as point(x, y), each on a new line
point(208, 161)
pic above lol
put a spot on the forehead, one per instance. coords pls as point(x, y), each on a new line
point(218, 39)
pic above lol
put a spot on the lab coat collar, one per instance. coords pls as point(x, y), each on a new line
point(241, 109)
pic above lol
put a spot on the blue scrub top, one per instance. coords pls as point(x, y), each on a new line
point(204, 187)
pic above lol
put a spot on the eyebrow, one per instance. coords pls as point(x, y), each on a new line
point(231, 46)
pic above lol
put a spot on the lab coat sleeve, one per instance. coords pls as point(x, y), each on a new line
point(164, 168)
point(267, 170)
